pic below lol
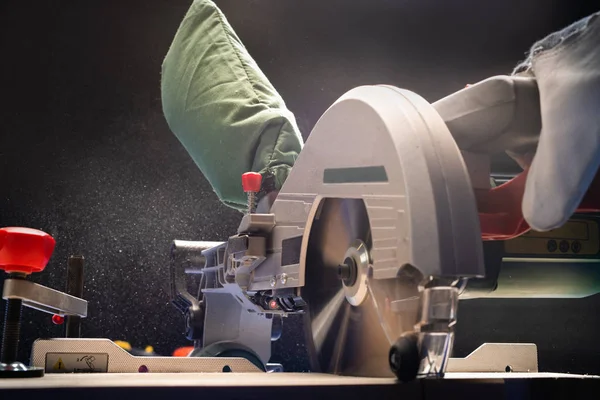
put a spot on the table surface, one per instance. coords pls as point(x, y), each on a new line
point(248, 380)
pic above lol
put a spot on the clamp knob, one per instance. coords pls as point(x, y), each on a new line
point(24, 250)
point(251, 183)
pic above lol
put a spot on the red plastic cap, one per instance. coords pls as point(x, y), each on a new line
point(251, 182)
point(25, 250)
point(58, 319)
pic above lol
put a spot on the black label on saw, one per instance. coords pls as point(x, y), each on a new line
point(290, 250)
point(355, 175)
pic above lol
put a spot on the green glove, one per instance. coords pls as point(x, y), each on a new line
point(223, 109)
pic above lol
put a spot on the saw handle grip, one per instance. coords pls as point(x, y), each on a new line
point(498, 114)
point(501, 213)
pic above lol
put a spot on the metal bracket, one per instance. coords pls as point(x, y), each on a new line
point(257, 223)
point(43, 298)
point(498, 357)
point(103, 355)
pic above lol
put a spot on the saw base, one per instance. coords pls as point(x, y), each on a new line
point(299, 385)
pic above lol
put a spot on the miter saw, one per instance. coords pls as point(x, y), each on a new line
point(389, 216)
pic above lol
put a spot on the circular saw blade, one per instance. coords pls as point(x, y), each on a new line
point(342, 339)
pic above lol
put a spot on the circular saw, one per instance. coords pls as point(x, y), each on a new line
point(375, 234)
point(391, 233)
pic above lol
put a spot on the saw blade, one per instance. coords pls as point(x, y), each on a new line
point(342, 338)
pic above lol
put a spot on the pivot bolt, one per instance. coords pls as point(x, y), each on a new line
point(348, 271)
point(273, 281)
point(344, 271)
point(283, 279)
point(12, 329)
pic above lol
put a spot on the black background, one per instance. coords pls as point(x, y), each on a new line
point(85, 153)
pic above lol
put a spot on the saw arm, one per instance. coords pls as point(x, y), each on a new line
point(500, 114)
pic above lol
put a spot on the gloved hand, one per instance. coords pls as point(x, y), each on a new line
point(566, 66)
point(224, 110)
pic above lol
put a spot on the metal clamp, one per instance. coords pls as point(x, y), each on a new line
point(44, 299)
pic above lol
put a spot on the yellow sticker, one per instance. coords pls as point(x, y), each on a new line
point(59, 365)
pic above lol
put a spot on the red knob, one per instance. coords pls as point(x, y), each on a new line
point(25, 250)
point(251, 182)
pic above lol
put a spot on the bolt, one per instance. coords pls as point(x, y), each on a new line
point(251, 202)
point(12, 330)
point(74, 288)
point(344, 271)
point(347, 272)
point(273, 281)
point(283, 279)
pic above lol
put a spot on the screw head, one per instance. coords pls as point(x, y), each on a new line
point(283, 279)
point(273, 281)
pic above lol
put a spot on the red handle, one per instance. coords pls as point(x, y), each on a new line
point(251, 182)
point(25, 250)
point(500, 212)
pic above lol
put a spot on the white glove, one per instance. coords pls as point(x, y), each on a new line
point(566, 66)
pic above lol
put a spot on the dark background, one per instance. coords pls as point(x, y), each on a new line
point(85, 153)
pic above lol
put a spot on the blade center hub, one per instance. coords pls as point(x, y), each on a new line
point(353, 273)
point(347, 271)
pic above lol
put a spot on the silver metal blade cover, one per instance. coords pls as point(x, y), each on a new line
point(384, 202)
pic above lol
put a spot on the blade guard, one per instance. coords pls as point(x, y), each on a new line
point(390, 148)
